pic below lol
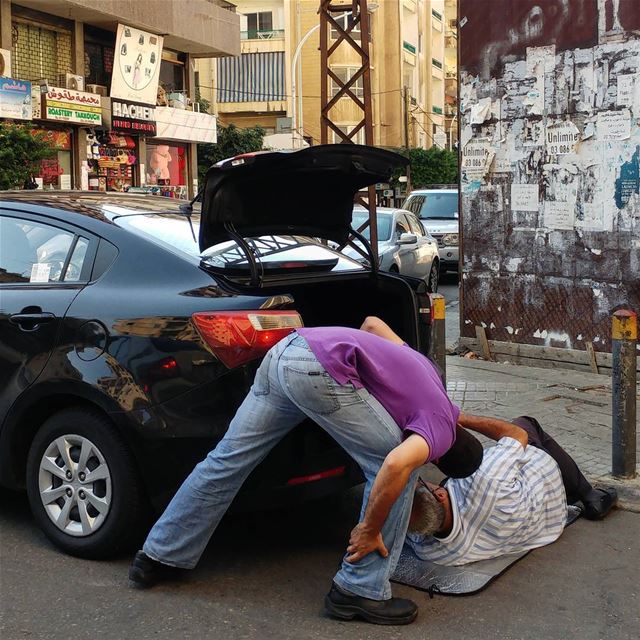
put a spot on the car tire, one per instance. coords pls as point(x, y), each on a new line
point(433, 278)
point(89, 519)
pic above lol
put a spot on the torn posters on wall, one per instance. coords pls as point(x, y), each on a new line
point(559, 214)
point(477, 156)
point(524, 197)
point(614, 125)
point(562, 138)
point(541, 59)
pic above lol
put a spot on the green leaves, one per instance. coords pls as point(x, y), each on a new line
point(433, 166)
point(232, 141)
point(20, 155)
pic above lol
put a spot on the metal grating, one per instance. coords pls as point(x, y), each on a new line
point(39, 52)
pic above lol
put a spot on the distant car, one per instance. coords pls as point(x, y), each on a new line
point(404, 246)
point(131, 329)
point(438, 212)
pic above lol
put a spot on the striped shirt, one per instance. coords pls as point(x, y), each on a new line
point(514, 502)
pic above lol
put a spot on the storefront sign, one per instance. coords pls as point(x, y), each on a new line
point(67, 105)
point(133, 117)
point(59, 140)
point(15, 99)
point(187, 126)
point(136, 68)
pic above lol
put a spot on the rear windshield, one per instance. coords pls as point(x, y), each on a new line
point(441, 206)
point(290, 253)
point(384, 224)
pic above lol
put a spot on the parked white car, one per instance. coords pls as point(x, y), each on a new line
point(404, 246)
point(438, 212)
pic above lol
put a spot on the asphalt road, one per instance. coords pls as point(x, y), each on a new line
point(448, 287)
point(264, 576)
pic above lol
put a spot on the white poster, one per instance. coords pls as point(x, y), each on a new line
point(477, 156)
point(136, 67)
point(524, 197)
point(544, 58)
point(561, 138)
point(65, 182)
point(625, 90)
point(559, 215)
point(614, 125)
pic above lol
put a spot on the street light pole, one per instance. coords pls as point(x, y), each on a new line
point(294, 87)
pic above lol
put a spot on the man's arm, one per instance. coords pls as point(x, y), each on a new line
point(380, 328)
point(388, 485)
point(493, 428)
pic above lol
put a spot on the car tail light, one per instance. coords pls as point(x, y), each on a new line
point(237, 337)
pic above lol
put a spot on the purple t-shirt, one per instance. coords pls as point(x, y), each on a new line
point(402, 380)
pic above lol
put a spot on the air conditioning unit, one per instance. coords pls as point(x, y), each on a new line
point(97, 88)
point(283, 125)
point(5, 63)
point(72, 81)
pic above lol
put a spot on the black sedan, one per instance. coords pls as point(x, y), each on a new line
point(131, 328)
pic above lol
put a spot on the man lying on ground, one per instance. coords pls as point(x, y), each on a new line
point(515, 501)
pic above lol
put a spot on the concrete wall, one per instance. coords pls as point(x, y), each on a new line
point(550, 102)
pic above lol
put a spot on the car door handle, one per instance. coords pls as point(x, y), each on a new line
point(31, 321)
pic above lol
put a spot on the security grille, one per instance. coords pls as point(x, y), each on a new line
point(39, 52)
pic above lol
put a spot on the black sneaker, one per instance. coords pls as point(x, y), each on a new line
point(346, 606)
point(144, 572)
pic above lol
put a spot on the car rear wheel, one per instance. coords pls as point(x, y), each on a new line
point(82, 485)
point(433, 278)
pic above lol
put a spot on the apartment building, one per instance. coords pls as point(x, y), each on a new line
point(451, 72)
point(110, 85)
point(276, 81)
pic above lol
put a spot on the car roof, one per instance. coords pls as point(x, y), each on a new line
point(384, 210)
point(425, 191)
point(95, 204)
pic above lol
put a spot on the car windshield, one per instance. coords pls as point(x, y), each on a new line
point(384, 224)
point(442, 206)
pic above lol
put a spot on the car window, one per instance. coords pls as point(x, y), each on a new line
point(35, 252)
point(414, 204)
point(384, 224)
point(414, 225)
point(439, 205)
point(401, 226)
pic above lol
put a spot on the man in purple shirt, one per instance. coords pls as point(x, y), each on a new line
point(383, 402)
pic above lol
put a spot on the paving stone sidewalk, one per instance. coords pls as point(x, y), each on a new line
point(574, 407)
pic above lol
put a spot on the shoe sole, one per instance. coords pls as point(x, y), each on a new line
point(349, 612)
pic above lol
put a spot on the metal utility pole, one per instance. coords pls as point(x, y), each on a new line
point(357, 15)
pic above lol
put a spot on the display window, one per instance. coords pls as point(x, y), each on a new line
point(55, 172)
point(166, 168)
point(111, 161)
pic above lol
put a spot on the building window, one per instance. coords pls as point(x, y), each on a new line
point(98, 64)
point(40, 52)
point(436, 14)
point(259, 22)
point(344, 22)
point(345, 74)
point(436, 63)
point(347, 129)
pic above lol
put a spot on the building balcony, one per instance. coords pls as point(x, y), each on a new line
point(198, 27)
point(262, 34)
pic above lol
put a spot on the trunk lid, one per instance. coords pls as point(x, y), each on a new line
point(309, 192)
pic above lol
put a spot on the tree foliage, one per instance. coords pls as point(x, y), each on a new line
point(232, 141)
point(20, 155)
point(432, 166)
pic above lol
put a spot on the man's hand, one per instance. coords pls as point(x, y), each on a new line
point(363, 541)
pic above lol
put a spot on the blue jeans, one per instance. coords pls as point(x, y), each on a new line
point(289, 385)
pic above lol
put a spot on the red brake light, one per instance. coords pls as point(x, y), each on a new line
point(237, 337)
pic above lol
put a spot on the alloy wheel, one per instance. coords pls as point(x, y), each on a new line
point(75, 485)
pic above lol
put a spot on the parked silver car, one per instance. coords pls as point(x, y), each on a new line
point(438, 212)
point(404, 246)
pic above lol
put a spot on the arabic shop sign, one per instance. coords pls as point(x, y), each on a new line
point(15, 99)
point(133, 117)
point(68, 105)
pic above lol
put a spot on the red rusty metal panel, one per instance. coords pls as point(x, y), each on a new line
point(496, 29)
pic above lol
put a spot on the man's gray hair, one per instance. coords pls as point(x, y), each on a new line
point(427, 514)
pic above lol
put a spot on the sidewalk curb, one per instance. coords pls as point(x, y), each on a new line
point(628, 490)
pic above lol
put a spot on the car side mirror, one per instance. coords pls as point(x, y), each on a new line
point(408, 238)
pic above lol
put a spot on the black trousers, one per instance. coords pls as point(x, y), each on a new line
point(576, 485)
